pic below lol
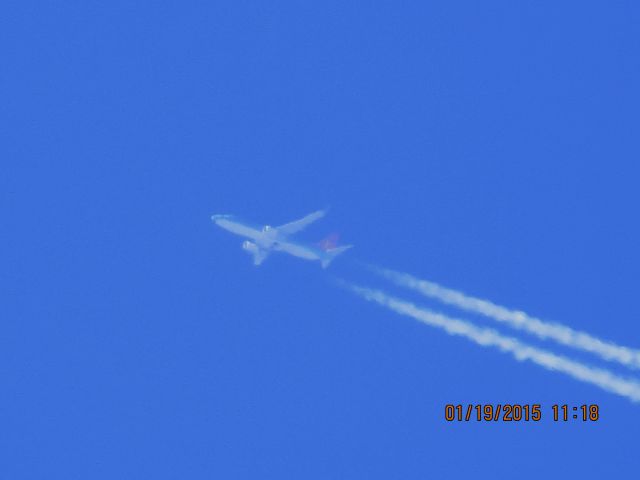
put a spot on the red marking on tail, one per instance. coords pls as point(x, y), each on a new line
point(331, 241)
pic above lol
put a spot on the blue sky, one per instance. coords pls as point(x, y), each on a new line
point(489, 147)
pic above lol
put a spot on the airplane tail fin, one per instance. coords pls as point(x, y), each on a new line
point(333, 253)
point(329, 242)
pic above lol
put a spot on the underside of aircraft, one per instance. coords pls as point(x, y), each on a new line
point(262, 241)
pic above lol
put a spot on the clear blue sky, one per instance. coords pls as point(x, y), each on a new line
point(491, 147)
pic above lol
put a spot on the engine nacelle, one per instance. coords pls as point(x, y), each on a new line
point(250, 247)
point(267, 228)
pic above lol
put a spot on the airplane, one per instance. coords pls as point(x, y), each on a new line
point(263, 241)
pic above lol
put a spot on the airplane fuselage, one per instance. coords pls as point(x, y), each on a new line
point(262, 241)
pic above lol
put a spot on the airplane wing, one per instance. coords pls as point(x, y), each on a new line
point(259, 256)
point(297, 225)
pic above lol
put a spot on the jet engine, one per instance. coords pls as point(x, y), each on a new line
point(250, 247)
point(266, 228)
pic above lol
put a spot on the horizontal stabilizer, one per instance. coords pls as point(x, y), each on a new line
point(333, 253)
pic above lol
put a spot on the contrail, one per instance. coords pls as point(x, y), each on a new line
point(490, 338)
point(626, 356)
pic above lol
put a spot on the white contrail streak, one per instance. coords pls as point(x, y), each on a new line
point(490, 338)
point(626, 356)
